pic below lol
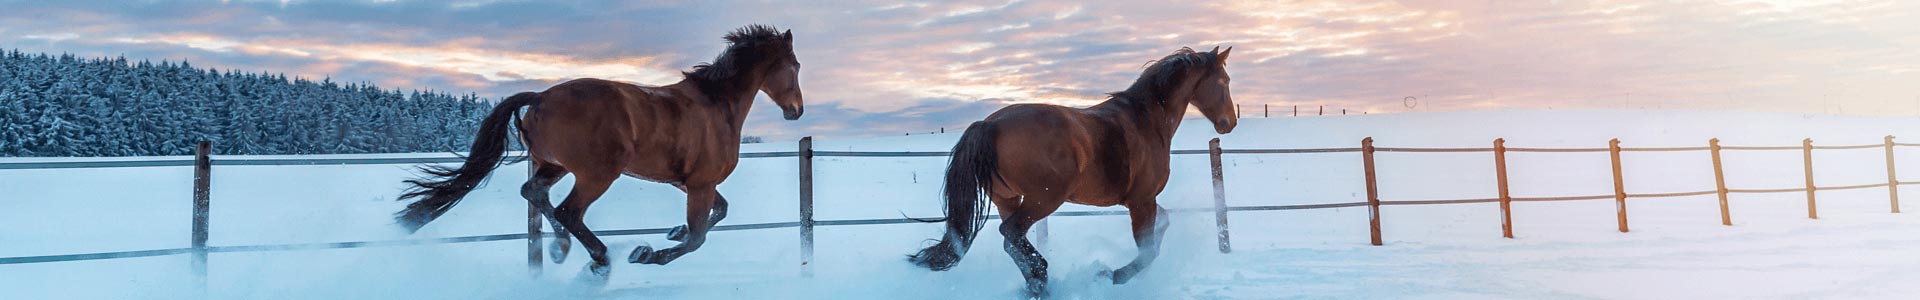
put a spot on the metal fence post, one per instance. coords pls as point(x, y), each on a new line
point(1219, 195)
point(806, 206)
point(534, 262)
point(1893, 183)
point(1373, 190)
point(1619, 184)
point(202, 199)
point(1806, 152)
point(1720, 182)
point(1500, 173)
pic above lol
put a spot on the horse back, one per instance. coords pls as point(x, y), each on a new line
point(612, 127)
point(1045, 148)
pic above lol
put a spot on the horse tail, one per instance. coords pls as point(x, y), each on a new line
point(970, 175)
point(445, 186)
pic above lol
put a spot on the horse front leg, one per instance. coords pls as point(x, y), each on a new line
point(1149, 225)
point(700, 202)
point(679, 233)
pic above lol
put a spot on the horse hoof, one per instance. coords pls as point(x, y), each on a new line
point(677, 234)
point(558, 250)
point(1122, 276)
point(1037, 289)
point(593, 276)
point(602, 270)
point(641, 254)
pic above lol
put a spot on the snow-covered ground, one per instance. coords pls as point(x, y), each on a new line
point(1563, 250)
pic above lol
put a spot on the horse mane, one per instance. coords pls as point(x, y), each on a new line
point(746, 47)
point(1161, 75)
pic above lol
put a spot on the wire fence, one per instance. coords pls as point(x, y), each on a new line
point(202, 162)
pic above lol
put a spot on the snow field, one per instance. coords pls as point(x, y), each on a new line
point(1562, 250)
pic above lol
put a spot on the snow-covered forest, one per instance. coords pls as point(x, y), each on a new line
point(63, 105)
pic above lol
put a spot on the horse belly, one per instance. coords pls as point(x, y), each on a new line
point(1088, 191)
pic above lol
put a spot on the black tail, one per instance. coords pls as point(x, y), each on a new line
point(446, 186)
point(970, 175)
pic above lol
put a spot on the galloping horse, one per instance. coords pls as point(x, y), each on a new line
point(686, 134)
point(1114, 153)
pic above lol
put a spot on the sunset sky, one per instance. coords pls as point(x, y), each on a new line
point(887, 68)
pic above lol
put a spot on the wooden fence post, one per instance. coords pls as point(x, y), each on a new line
point(1720, 182)
point(1506, 201)
point(1040, 234)
point(1219, 195)
point(1806, 152)
point(1373, 190)
point(1893, 183)
point(1265, 112)
point(1619, 184)
point(202, 199)
point(806, 206)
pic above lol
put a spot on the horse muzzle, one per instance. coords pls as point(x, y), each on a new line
point(1224, 126)
point(792, 114)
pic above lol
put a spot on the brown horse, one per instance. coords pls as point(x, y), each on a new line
point(1114, 153)
point(686, 134)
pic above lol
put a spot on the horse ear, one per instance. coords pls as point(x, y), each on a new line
point(787, 35)
point(1223, 55)
point(1216, 50)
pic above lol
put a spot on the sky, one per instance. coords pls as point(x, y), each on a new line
point(876, 68)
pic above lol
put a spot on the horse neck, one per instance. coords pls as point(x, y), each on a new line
point(736, 98)
point(1157, 116)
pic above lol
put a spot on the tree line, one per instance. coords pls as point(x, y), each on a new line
point(62, 105)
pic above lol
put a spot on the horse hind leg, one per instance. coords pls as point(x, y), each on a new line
point(586, 189)
point(1014, 227)
point(1147, 239)
point(539, 183)
point(1032, 265)
point(679, 233)
point(700, 203)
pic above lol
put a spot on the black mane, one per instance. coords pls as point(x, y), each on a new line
point(1162, 74)
point(747, 47)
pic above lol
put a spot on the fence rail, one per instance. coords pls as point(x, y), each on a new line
point(203, 163)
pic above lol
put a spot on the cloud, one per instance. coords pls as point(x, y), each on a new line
point(883, 68)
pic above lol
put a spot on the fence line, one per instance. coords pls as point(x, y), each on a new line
point(203, 163)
